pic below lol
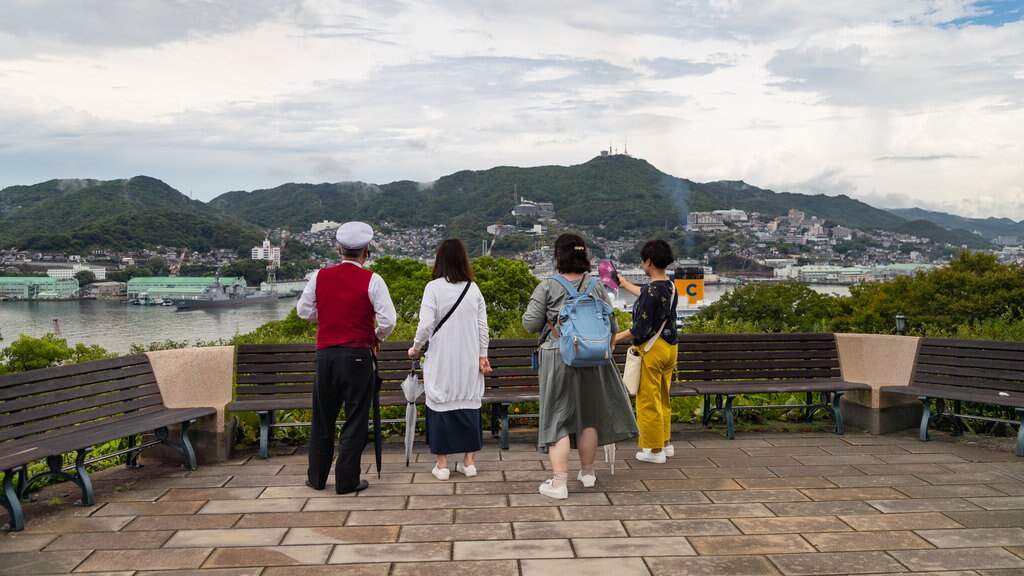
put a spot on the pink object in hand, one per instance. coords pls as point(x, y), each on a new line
point(604, 270)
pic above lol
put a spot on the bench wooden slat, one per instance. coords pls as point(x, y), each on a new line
point(103, 411)
point(42, 385)
point(69, 370)
point(37, 400)
point(775, 386)
point(753, 375)
point(959, 382)
point(761, 365)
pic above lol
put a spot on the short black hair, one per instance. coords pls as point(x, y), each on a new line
point(571, 254)
point(356, 253)
point(658, 252)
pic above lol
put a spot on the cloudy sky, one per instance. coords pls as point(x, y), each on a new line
point(895, 102)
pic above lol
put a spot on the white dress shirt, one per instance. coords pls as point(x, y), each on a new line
point(383, 308)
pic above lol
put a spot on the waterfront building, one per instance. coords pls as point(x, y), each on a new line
point(732, 215)
point(37, 288)
point(64, 273)
point(267, 252)
point(179, 288)
point(834, 274)
point(705, 222)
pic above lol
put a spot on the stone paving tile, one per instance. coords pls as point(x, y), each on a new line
point(504, 466)
point(835, 508)
point(163, 559)
point(482, 567)
point(342, 503)
point(974, 537)
point(42, 562)
point(755, 496)
point(437, 489)
point(461, 501)
point(575, 499)
point(214, 572)
point(631, 498)
point(22, 542)
point(452, 532)
point(790, 471)
point(849, 449)
point(863, 481)
point(133, 495)
point(834, 563)
point(717, 511)
point(731, 472)
point(109, 540)
point(711, 566)
point(419, 551)
point(634, 546)
point(205, 522)
point(1009, 489)
point(987, 477)
point(759, 544)
point(301, 492)
point(791, 525)
point(985, 519)
point(252, 506)
point(246, 470)
point(847, 460)
point(939, 458)
point(183, 482)
point(149, 508)
point(481, 515)
point(568, 529)
point(61, 525)
point(748, 461)
point(781, 483)
point(267, 556)
point(292, 520)
point(950, 491)
point(863, 493)
point(425, 477)
point(398, 517)
point(617, 566)
point(342, 535)
point(957, 559)
point(692, 484)
point(888, 469)
point(862, 541)
point(638, 512)
point(224, 538)
point(197, 494)
point(512, 549)
point(709, 527)
point(281, 480)
point(1000, 503)
point(787, 451)
point(922, 505)
point(521, 487)
point(736, 443)
point(910, 521)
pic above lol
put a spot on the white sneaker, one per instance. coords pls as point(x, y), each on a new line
point(669, 451)
point(441, 473)
point(646, 455)
point(587, 479)
point(548, 489)
point(469, 471)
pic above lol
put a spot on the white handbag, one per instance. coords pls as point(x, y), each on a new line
point(634, 361)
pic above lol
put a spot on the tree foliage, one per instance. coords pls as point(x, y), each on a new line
point(28, 353)
point(406, 280)
point(773, 307)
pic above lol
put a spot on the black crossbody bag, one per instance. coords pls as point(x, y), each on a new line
point(449, 314)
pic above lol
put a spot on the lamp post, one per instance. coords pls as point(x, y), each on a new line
point(901, 323)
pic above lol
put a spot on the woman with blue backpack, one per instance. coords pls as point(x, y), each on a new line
point(582, 399)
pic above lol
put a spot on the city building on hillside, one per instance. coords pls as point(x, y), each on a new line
point(732, 215)
point(267, 252)
point(833, 274)
point(540, 210)
point(325, 225)
point(37, 288)
point(842, 233)
point(705, 222)
point(98, 271)
point(795, 216)
point(501, 229)
point(1007, 241)
point(176, 288)
point(890, 271)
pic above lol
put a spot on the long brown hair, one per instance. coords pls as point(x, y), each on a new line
point(452, 262)
point(571, 254)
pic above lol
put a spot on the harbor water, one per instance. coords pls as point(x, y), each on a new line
point(116, 326)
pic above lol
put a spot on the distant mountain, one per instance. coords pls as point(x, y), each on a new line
point(989, 228)
point(121, 214)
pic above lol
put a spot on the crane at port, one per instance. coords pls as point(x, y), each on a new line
point(177, 265)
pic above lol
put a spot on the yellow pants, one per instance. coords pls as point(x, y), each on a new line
point(653, 411)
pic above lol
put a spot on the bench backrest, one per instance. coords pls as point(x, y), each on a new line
point(720, 357)
point(970, 363)
point(54, 399)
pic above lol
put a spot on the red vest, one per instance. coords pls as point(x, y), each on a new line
point(344, 311)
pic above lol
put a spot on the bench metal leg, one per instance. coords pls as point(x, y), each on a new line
point(730, 429)
point(809, 409)
point(495, 419)
point(958, 424)
point(10, 501)
point(504, 426)
point(837, 414)
point(706, 414)
point(265, 418)
point(926, 417)
point(132, 458)
point(184, 445)
point(1020, 432)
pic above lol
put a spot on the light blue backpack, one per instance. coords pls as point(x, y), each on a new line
point(584, 328)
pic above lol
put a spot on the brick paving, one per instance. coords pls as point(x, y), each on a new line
point(766, 503)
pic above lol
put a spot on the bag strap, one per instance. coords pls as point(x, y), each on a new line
point(572, 291)
point(650, 343)
point(565, 284)
point(450, 312)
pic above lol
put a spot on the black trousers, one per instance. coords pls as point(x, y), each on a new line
point(344, 378)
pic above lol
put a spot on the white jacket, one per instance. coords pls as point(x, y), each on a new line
point(451, 365)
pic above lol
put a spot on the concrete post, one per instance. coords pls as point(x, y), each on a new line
point(878, 360)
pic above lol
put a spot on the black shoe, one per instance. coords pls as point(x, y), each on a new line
point(363, 485)
point(310, 484)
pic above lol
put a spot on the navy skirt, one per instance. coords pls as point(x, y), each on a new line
point(454, 431)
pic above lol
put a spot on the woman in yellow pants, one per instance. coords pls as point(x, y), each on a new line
point(654, 334)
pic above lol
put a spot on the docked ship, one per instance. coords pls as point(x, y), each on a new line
point(218, 295)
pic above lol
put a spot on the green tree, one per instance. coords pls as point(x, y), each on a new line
point(85, 277)
point(28, 353)
point(506, 286)
point(406, 280)
point(157, 266)
point(773, 307)
point(254, 271)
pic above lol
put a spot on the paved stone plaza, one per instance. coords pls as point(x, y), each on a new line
point(765, 503)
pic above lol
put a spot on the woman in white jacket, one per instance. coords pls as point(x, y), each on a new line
point(453, 317)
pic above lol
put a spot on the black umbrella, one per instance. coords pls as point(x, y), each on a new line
point(378, 440)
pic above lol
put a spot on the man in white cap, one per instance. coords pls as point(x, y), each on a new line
point(344, 300)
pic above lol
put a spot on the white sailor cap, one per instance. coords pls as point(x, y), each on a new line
point(354, 235)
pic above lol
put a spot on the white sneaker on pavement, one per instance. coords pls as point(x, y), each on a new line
point(469, 471)
point(646, 455)
point(669, 451)
point(441, 473)
point(548, 489)
point(587, 479)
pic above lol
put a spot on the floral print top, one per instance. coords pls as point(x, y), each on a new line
point(655, 304)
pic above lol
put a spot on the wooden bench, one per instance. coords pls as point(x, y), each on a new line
point(47, 413)
point(724, 366)
point(981, 371)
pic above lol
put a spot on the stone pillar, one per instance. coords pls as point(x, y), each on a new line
point(878, 360)
point(192, 377)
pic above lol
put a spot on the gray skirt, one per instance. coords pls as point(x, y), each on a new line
point(572, 399)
